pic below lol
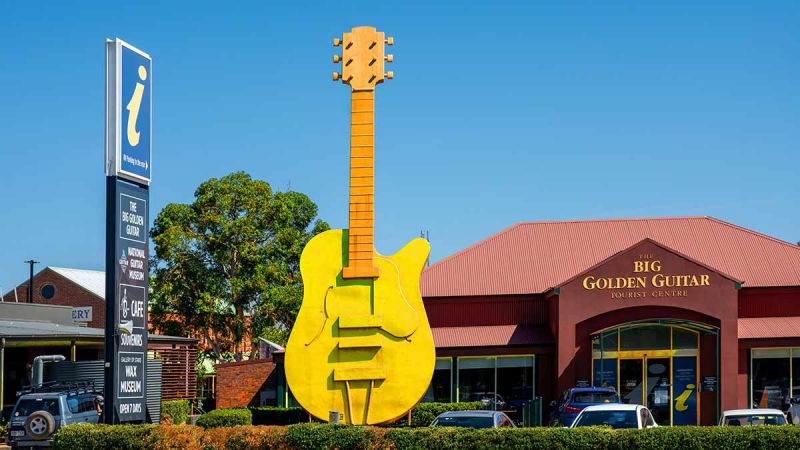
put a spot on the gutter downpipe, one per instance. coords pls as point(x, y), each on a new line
point(2, 372)
point(38, 367)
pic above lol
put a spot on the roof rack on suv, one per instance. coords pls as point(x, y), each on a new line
point(74, 387)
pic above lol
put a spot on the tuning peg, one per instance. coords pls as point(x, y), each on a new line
point(335, 76)
point(389, 58)
point(336, 58)
point(389, 40)
point(389, 75)
point(337, 42)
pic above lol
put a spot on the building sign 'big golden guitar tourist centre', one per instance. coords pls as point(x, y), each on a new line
point(647, 280)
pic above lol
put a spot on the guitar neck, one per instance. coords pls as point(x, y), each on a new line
point(361, 242)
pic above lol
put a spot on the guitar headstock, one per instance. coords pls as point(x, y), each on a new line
point(362, 58)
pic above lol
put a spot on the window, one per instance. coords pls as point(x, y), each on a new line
point(465, 421)
point(48, 291)
point(441, 387)
point(501, 383)
point(614, 419)
point(476, 380)
point(514, 382)
point(770, 377)
point(755, 419)
point(606, 342)
point(650, 421)
point(28, 406)
point(644, 338)
point(73, 403)
point(682, 338)
point(594, 397)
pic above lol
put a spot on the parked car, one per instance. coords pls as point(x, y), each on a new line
point(752, 416)
point(40, 411)
point(473, 419)
point(574, 400)
point(615, 416)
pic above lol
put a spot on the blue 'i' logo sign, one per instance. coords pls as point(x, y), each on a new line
point(136, 125)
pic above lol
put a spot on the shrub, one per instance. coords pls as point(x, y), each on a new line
point(225, 418)
point(245, 438)
point(175, 437)
point(343, 437)
point(267, 415)
point(175, 411)
point(102, 437)
point(423, 414)
point(312, 436)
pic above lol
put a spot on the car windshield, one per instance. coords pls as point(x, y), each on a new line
point(28, 406)
point(465, 421)
point(755, 419)
point(594, 397)
point(614, 419)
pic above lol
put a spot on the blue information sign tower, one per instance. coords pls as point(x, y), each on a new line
point(128, 150)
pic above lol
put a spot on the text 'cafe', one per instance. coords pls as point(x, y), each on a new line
point(689, 316)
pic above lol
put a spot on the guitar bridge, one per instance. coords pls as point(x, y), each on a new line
point(359, 373)
point(351, 322)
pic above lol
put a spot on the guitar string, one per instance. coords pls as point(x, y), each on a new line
point(323, 313)
point(402, 294)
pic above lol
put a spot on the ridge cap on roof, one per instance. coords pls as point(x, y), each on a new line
point(618, 219)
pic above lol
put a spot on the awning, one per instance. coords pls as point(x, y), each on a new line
point(25, 330)
point(491, 336)
point(769, 327)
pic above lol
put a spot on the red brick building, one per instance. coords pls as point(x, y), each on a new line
point(246, 383)
point(83, 290)
point(689, 316)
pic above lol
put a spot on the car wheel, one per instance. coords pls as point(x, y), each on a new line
point(40, 425)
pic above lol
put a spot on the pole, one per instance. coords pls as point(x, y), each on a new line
point(31, 262)
point(109, 346)
point(2, 372)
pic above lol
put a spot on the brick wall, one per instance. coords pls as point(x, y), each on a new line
point(239, 383)
point(67, 293)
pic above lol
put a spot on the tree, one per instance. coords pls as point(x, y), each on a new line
point(227, 266)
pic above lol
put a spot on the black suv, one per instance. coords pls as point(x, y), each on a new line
point(41, 410)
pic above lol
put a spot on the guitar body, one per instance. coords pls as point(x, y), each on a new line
point(362, 347)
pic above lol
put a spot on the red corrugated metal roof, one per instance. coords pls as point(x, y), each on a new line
point(769, 327)
point(489, 336)
point(531, 257)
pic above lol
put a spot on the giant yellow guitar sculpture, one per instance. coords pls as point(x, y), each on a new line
point(361, 344)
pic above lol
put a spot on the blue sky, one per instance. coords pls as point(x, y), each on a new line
point(499, 112)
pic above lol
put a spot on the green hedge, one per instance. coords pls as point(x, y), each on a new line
point(323, 436)
point(423, 414)
point(267, 415)
point(102, 437)
point(175, 411)
point(225, 418)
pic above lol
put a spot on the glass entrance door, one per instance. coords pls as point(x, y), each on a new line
point(658, 389)
point(631, 384)
point(645, 381)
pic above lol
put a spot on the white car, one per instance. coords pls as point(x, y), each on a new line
point(752, 416)
point(615, 415)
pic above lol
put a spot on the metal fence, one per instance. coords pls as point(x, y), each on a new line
point(532, 413)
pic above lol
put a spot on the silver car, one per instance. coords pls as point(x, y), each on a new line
point(752, 416)
point(473, 419)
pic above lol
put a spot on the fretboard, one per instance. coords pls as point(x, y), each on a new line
point(361, 242)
